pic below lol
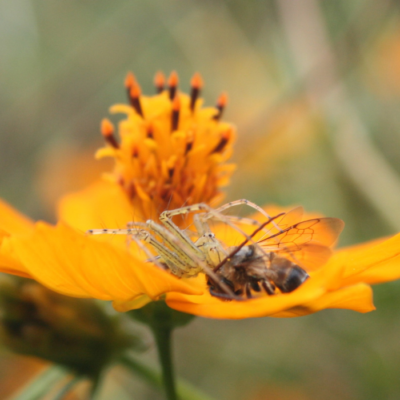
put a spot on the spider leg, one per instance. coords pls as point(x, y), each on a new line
point(200, 221)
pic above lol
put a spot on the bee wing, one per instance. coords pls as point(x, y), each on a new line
point(281, 223)
point(306, 243)
point(309, 256)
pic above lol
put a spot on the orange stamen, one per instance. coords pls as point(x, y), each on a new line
point(222, 100)
point(225, 136)
point(221, 104)
point(107, 130)
point(172, 84)
point(134, 97)
point(197, 81)
point(197, 84)
point(176, 106)
point(129, 80)
point(159, 81)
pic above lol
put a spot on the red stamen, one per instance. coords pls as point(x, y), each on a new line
point(159, 81)
point(221, 104)
point(172, 84)
point(107, 130)
point(176, 107)
point(197, 84)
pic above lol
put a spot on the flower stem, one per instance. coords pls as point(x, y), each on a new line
point(163, 335)
point(162, 320)
point(151, 375)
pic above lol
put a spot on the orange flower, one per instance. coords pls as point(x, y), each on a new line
point(171, 151)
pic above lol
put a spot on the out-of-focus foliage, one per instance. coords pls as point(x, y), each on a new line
point(63, 64)
point(79, 334)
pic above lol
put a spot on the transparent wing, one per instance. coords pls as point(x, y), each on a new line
point(306, 243)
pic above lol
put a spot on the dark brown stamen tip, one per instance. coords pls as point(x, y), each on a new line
point(176, 107)
point(172, 84)
point(159, 81)
point(189, 146)
point(134, 98)
point(150, 132)
point(222, 143)
point(197, 84)
point(135, 152)
point(221, 104)
point(107, 130)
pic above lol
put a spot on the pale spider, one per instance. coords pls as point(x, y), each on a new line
point(272, 260)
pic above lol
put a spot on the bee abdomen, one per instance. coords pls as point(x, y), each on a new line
point(294, 277)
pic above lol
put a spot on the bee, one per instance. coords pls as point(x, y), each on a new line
point(277, 262)
point(275, 255)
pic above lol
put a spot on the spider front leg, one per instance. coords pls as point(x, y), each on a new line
point(139, 233)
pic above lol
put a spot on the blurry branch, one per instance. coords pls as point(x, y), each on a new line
point(67, 388)
point(370, 21)
point(361, 161)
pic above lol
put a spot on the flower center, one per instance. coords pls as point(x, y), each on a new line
point(171, 151)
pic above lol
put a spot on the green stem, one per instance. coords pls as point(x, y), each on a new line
point(162, 320)
point(152, 376)
point(163, 335)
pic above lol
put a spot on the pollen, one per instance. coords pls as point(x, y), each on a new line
point(170, 149)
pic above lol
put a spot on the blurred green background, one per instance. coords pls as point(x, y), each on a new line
point(314, 90)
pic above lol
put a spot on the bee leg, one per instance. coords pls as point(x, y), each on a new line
point(268, 287)
point(248, 291)
point(222, 296)
point(228, 283)
point(213, 285)
point(255, 286)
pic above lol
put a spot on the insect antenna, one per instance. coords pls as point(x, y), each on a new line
point(261, 227)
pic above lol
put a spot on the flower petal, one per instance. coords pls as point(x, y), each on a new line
point(12, 222)
point(101, 205)
point(9, 262)
point(376, 262)
point(357, 298)
point(73, 264)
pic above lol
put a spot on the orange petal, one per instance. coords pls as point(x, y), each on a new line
point(101, 205)
point(76, 265)
point(374, 262)
point(12, 222)
point(357, 298)
point(9, 262)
